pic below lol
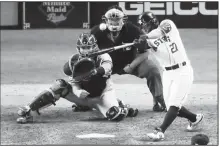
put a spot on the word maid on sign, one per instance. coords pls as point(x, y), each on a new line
point(56, 12)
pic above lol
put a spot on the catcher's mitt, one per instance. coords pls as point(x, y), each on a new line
point(83, 69)
point(200, 139)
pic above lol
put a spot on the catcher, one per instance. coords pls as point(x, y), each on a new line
point(90, 85)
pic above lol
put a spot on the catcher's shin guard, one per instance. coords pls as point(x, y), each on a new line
point(60, 89)
point(131, 111)
point(42, 100)
point(116, 113)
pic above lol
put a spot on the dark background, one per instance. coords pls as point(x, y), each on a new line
point(38, 19)
point(79, 16)
point(182, 21)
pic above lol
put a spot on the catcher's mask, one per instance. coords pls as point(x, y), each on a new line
point(148, 21)
point(114, 19)
point(86, 44)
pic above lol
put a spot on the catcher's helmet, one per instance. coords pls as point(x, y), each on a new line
point(86, 44)
point(148, 21)
point(114, 18)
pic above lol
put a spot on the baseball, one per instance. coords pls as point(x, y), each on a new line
point(102, 26)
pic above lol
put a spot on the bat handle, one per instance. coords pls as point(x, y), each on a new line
point(123, 46)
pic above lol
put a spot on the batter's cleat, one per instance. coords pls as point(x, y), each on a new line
point(158, 108)
point(193, 125)
point(157, 135)
point(79, 108)
point(132, 112)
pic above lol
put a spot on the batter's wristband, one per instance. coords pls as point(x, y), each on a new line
point(129, 65)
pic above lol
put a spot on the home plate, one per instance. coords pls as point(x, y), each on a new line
point(95, 135)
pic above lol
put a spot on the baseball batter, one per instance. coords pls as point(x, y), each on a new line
point(165, 44)
point(95, 90)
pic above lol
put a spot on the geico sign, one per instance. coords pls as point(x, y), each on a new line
point(165, 8)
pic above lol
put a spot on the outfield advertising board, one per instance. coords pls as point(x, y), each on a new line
point(75, 14)
point(184, 14)
point(56, 14)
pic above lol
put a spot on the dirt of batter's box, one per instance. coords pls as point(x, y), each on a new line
point(60, 126)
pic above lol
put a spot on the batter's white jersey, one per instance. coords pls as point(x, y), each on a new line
point(170, 52)
point(168, 49)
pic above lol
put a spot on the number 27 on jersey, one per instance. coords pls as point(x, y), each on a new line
point(173, 47)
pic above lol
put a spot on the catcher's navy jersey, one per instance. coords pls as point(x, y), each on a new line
point(97, 83)
point(122, 57)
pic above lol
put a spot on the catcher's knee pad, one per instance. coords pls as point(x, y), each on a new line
point(60, 88)
point(116, 113)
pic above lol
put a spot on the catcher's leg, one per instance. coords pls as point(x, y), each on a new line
point(46, 98)
point(80, 105)
point(112, 112)
point(148, 69)
point(80, 108)
point(111, 107)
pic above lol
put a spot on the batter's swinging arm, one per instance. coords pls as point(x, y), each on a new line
point(129, 68)
point(138, 60)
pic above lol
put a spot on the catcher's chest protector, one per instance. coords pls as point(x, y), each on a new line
point(95, 85)
point(120, 58)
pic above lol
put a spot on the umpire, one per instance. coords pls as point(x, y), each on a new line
point(115, 31)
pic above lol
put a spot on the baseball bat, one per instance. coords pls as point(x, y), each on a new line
point(108, 50)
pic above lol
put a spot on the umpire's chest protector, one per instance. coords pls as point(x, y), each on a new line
point(124, 56)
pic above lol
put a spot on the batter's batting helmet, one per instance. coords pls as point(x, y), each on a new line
point(148, 21)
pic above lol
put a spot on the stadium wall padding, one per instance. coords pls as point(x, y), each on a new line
point(62, 14)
